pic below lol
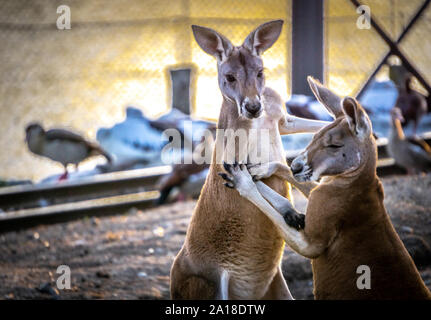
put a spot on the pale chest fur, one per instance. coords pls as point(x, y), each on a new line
point(269, 139)
point(259, 142)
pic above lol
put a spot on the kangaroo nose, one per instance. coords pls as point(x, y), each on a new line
point(296, 166)
point(253, 107)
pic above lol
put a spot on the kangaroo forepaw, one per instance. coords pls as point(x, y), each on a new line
point(294, 219)
point(237, 177)
point(262, 170)
point(229, 181)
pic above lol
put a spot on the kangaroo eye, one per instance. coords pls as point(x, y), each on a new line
point(260, 74)
point(230, 78)
point(334, 146)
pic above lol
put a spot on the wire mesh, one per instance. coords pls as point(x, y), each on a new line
point(118, 53)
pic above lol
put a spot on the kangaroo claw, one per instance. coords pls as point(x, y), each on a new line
point(225, 177)
point(294, 220)
point(229, 185)
point(227, 167)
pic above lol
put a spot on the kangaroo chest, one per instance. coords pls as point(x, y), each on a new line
point(269, 140)
point(238, 237)
point(259, 143)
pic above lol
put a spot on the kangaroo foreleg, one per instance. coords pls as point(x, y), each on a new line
point(288, 222)
point(265, 170)
point(290, 124)
point(280, 203)
point(241, 180)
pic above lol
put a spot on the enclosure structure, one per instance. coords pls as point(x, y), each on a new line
point(119, 53)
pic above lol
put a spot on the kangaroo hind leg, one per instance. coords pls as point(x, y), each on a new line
point(278, 289)
point(189, 282)
point(223, 288)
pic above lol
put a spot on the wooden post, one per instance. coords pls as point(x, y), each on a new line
point(307, 43)
point(180, 81)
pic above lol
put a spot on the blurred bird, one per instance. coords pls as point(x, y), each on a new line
point(188, 178)
point(413, 105)
point(62, 146)
point(191, 130)
point(179, 178)
point(132, 141)
point(411, 153)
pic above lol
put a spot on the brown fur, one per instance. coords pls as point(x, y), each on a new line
point(346, 221)
point(222, 238)
point(346, 224)
point(349, 219)
point(223, 234)
point(232, 250)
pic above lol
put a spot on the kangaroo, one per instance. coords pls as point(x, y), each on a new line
point(346, 224)
point(226, 253)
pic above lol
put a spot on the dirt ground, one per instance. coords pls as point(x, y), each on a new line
point(129, 256)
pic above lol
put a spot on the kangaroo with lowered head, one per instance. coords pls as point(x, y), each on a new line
point(232, 251)
point(346, 224)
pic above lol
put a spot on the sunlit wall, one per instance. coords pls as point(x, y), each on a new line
point(118, 53)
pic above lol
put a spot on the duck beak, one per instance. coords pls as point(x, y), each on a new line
point(302, 125)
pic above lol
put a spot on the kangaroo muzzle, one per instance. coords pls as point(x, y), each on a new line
point(251, 108)
point(300, 169)
point(297, 166)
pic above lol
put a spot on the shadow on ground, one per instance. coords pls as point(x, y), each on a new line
point(129, 256)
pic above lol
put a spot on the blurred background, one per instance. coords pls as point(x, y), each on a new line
point(120, 53)
point(129, 69)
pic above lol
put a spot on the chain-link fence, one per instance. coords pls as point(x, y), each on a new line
point(119, 53)
point(352, 53)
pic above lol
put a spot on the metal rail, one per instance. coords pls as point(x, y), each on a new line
point(100, 186)
point(107, 194)
point(26, 218)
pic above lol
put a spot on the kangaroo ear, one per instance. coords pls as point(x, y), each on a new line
point(356, 117)
point(263, 37)
point(330, 100)
point(212, 42)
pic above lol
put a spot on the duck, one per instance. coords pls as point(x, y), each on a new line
point(63, 146)
point(132, 140)
point(413, 104)
point(411, 153)
point(188, 178)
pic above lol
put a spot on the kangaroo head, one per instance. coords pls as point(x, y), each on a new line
point(342, 147)
point(240, 69)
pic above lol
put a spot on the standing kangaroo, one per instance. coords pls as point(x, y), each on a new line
point(346, 224)
point(232, 251)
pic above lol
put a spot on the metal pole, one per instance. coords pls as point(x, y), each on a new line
point(394, 48)
point(181, 89)
point(307, 43)
point(400, 38)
